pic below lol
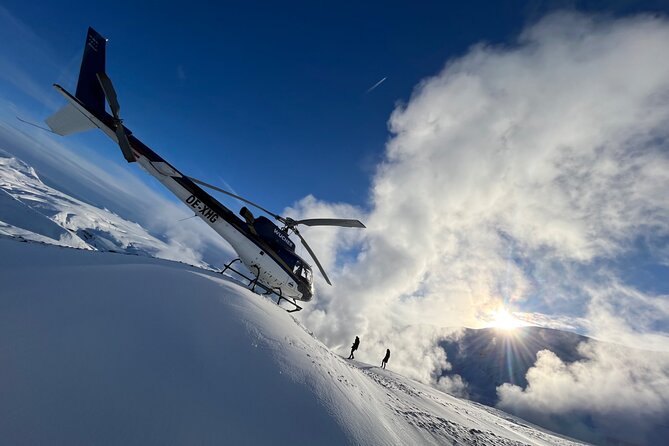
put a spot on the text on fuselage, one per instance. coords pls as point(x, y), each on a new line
point(283, 237)
point(206, 211)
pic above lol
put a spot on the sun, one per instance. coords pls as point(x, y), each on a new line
point(502, 319)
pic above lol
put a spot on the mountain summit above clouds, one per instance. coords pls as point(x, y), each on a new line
point(489, 357)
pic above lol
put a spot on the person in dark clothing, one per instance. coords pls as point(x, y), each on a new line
point(354, 347)
point(385, 358)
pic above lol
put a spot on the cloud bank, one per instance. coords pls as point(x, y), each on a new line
point(530, 176)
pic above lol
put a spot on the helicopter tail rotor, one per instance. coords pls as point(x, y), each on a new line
point(112, 100)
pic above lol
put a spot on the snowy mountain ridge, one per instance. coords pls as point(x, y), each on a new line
point(35, 211)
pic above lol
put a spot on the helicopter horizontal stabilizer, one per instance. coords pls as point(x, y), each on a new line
point(69, 120)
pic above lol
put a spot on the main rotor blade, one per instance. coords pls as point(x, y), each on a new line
point(202, 183)
point(313, 256)
point(110, 93)
point(343, 222)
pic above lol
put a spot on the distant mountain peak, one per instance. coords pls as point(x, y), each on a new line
point(32, 210)
point(486, 358)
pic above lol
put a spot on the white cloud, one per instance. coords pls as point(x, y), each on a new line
point(621, 393)
point(621, 389)
point(517, 175)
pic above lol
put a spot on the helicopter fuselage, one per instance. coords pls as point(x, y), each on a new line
point(266, 251)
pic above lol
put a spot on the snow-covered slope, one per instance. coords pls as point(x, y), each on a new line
point(103, 348)
point(35, 211)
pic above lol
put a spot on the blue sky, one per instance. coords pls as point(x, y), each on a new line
point(269, 97)
point(515, 159)
point(273, 100)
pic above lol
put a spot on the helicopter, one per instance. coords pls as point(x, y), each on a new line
point(263, 247)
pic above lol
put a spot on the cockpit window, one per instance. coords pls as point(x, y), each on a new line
point(302, 270)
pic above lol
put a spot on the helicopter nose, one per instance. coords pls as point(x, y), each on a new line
point(306, 290)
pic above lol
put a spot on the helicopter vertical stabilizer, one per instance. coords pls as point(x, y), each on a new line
point(89, 91)
point(69, 119)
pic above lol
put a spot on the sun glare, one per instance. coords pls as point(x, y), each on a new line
point(504, 320)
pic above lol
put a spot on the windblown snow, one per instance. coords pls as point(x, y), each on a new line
point(108, 348)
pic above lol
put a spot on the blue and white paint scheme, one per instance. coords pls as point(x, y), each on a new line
point(265, 249)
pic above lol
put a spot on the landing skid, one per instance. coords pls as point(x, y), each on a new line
point(290, 301)
point(254, 282)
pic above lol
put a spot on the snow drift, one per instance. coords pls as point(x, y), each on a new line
point(103, 348)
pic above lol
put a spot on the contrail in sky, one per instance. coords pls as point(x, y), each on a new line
point(376, 85)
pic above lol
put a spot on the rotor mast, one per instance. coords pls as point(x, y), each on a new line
point(290, 224)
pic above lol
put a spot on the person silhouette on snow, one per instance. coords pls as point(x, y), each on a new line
point(385, 358)
point(354, 347)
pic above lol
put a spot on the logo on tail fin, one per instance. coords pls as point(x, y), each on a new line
point(93, 42)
